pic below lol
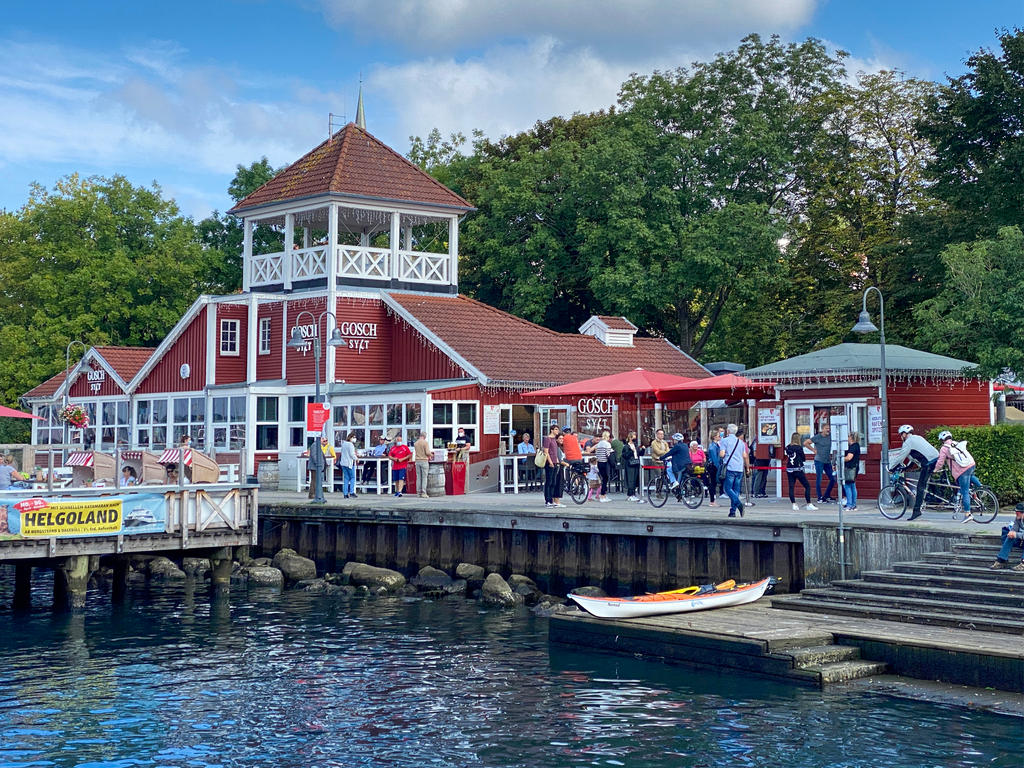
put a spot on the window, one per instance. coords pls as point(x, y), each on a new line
point(228, 422)
point(266, 423)
point(151, 424)
point(51, 429)
point(448, 417)
point(189, 419)
point(264, 335)
point(229, 337)
point(297, 420)
point(114, 427)
point(368, 423)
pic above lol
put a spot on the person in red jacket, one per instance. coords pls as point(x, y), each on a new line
point(399, 455)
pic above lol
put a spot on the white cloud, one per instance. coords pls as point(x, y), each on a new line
point(618, 28)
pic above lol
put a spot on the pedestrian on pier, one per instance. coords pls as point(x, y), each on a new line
point(347, 464)
point(821, 444)
point(421, 455)
point(735, 462)
point(795, 458)
point(400, 456)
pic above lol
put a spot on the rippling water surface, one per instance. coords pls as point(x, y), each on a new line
point(294, 679)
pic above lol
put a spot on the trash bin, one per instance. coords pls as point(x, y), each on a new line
point(455, 478)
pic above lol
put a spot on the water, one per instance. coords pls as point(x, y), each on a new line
point(298, 679)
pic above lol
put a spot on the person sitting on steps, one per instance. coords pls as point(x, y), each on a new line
point(1013, 536)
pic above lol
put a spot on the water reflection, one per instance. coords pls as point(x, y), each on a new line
point(178, 679)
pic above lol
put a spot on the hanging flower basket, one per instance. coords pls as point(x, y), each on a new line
point(74, 415)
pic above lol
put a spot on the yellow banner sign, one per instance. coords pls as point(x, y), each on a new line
point(70, 518)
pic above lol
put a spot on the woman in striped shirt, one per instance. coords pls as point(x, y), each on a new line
point(602, 448)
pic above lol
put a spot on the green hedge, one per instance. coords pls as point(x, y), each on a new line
point(999, 451)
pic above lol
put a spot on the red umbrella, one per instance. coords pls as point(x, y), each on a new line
point(636, 382)
point(727, 386)
point(5, 411)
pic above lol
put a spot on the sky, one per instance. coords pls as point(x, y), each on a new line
point(182, 93)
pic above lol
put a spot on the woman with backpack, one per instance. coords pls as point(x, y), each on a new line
point(961, 464)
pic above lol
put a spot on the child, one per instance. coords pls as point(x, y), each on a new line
point(593, 479)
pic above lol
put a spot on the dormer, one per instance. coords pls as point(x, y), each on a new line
point(611, 331)
point(352, 212)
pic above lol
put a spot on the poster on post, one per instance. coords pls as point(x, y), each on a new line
point(492, 419)
point(126, 515)
point(874, 423)
point(768, 425)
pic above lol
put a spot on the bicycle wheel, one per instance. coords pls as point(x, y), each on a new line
point(693, 492)
point(984, 505)
point(657, 492)
point(892, 502)
point(576, 487)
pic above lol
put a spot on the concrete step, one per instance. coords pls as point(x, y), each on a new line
point(844, 671)
point(906, 586)
point(822, 654)
point(989, 548)
point(931, 618)
point(965, 612)
point(1002, 576)
point(960, 558)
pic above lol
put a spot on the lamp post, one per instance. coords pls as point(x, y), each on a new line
point(864, 325)
point(298, 342)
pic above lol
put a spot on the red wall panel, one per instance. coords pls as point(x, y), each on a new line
point(367, 359)
point(931, 405)
point(415, 359)
point(107, 386)
point(268, 367)
point(189, 348)
point(230, 369)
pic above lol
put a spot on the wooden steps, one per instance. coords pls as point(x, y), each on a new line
point(945, 589)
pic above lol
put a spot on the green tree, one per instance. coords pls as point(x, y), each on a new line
point(222, 235)
point(979, 314)
point(98, 260)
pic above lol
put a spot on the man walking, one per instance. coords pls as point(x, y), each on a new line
point(421, 455)
point(733, 452)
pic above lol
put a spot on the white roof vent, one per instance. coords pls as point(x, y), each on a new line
point(612, 331)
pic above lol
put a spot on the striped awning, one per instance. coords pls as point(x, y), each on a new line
point(172, 455)
point(80, 459)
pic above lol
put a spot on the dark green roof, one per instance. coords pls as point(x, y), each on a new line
point(863, 360)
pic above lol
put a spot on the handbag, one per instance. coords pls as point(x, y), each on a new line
point(541, 459)
point(849, 474)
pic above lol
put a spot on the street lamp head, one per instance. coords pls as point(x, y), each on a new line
point(336, 340)
point(296, 341)
point(864, 324)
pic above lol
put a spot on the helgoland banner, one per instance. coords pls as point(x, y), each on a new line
point(37, 517)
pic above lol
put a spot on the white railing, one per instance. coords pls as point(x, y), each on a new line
point(358, 261)
point(267, 268)
point(309, 262)
point(423, 267)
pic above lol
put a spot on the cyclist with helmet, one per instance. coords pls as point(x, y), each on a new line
point(677, 460)
point(920, 450)
point(963, 475)
point(571, 447)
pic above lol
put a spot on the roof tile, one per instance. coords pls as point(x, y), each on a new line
point(125, 361)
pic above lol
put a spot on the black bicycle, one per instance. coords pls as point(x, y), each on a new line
point(941, 493)
point(690, 490)
point(575, 482)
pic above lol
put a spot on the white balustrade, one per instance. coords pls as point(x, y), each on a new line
point(357, 261)
point(423, 267)
point(309, 263)
point(267, 268)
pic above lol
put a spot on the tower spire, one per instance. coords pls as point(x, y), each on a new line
point(360, 117)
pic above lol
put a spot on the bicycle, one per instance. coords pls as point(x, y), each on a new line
point(941, 493)
point(575, 482)
point(690, 490)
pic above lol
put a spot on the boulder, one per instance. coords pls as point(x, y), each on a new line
point(496, 591)
point(431, 580)
point(294, 566)
point(196, 567)
point(469, 572)
point(162, 568)
point(262, 576)
point(373, 578)
point(590, 592)
point(549, 605)
point(457, 587)
point(264, 562)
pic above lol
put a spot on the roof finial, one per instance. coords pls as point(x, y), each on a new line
point(360, 117)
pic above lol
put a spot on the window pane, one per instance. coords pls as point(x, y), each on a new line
point(159, 412)
point(142, 437)
point(159, 437)
point(266, 409)
point(394, 415)
point(413, 413)
point(376, 415)
point(237, 409)
point(442, 437)
point(142, 412)
point(198, 409)
point(471, 435)
point(442, 413)
point(358, 416)
point(296, 409)
point(110, 413)
point(220, 437)
point(467, 413)
point(266, 437)
point(375, 437)
point(341, 415)
point(122, 436)
point(220, 410)
point(122, 413)
point(295, 436)
point(180, 409)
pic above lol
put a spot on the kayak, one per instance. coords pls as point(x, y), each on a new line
point(676, 601)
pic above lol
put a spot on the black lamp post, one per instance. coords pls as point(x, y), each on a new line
point(298, 342)
point(864, 325)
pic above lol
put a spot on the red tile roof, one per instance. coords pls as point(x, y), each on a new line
point(353, 162)
point(508, 349)
point(617, 323)
point(125, 362)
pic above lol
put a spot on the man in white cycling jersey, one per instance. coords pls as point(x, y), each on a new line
point(920, 450)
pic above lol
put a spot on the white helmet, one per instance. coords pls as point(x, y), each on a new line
point(678, 437)
point(905, 429)
point(945, 435)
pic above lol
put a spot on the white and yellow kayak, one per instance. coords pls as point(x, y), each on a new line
point(676, 601)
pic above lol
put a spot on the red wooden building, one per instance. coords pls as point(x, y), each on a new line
point(369, 246)
point(842, 385)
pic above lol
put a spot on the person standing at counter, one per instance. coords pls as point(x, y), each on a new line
point(399, 455)
point(422, 455)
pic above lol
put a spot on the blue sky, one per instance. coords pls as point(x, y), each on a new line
point(181, 93)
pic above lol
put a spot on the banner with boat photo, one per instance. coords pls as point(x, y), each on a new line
point(127, 515)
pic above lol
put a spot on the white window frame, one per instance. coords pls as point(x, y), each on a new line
point(229, 329)
point(472, 428)
point(265, 330)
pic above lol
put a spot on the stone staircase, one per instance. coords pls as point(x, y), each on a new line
point(829, 664)
point(947, 589)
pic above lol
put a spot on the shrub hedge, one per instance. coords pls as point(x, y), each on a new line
point(999, 452)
